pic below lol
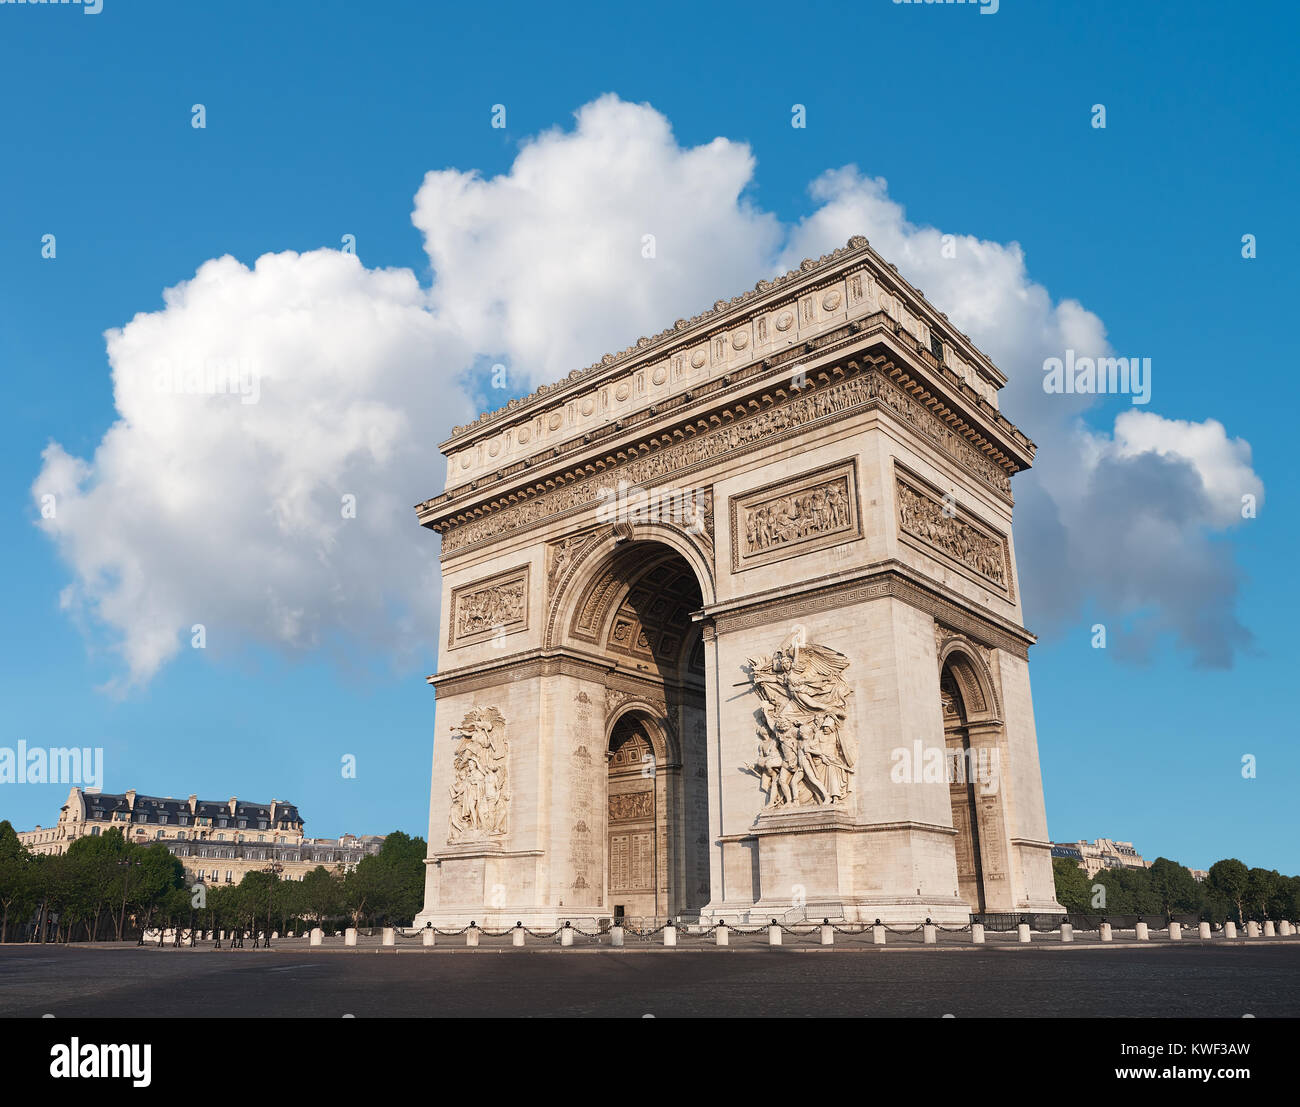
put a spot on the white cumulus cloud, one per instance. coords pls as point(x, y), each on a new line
point(257, 400)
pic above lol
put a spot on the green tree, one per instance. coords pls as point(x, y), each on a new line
point(320, 895)
point(1230, 879)
point(16, 886)
point(1072, 888)
point(1262, 887)
point(388, 886)
point(1174, 888)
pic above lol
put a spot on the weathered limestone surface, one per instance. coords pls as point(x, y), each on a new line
point(732, 628)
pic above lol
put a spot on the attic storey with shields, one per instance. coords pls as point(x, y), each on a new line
point(697, 595)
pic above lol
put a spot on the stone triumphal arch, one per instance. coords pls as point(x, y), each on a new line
point(732, 627)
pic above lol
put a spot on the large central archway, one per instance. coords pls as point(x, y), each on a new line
point(632, 603)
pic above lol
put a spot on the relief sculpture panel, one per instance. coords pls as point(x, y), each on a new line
point(489, 607)
point(806, 755)
point(939, 524)
point(480, 790)
point(794, 517)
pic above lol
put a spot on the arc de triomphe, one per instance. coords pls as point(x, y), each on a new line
point(731, 627)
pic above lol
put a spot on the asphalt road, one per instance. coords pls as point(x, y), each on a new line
point(1185, 982)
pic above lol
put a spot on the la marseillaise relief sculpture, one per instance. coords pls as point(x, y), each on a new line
point(727, 616)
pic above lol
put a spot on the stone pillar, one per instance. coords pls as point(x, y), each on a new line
point(1252, 929)
point(1269, 930)
point(389, 936)
point(1067, 932)
point(670, 935)
point(471, 935)
point(1143, 932)
point(1203, 931)
point(1106, 934)
point(720, 935)
point(828, 934)
point(977, 934)
point(928, 933)
point(774, 934)
point(517, 934)
point(1175, 932)
point(616, 937)
point(427, 936)
point(566, 935)
point(1230, 929)
point(1022, 932)
point(350, 936)
point(878, 934)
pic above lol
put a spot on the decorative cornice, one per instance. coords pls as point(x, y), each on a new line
point(722, 314)
point(831, 394)
point(881, 581)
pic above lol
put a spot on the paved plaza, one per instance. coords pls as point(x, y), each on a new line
point(1182, 980)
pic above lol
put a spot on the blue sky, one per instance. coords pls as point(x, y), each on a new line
point(323, 119)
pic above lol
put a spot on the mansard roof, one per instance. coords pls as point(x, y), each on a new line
point(151, 808)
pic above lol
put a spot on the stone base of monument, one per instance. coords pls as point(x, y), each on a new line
point(821, 862)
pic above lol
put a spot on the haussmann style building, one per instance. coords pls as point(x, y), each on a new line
point(217, 841)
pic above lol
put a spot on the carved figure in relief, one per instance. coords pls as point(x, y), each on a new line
point(490, 608)
point(480, 790)
point(769, 765)
point(924, 518)
point(809, 757)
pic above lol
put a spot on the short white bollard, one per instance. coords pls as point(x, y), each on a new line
point(828, 934)
point(471, 935)
point(1067, 932)
point(1203, 931)
point(1143, 932)
point(1284, 928)
point(1175, 931)
point(929, 935)
point(566, 935)
point(670, 935)
point(977, 934)
point(350, 936)
point(389, 936)
point(720, 936)
point(223, 935)
point(317, 936)
point(517, 934)
point(1022, 932)
point(774, 934)
point(428, 936)
point(1269, 930)
point(878, 934)
point(616, 937)
point(275, 934)
point(1252, 929)
point(1106, 934)
point(1230, 929)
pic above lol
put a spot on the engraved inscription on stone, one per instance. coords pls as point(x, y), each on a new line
point(631, 861)
point(490, 607)
point(942, 528)
point(791, 517)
